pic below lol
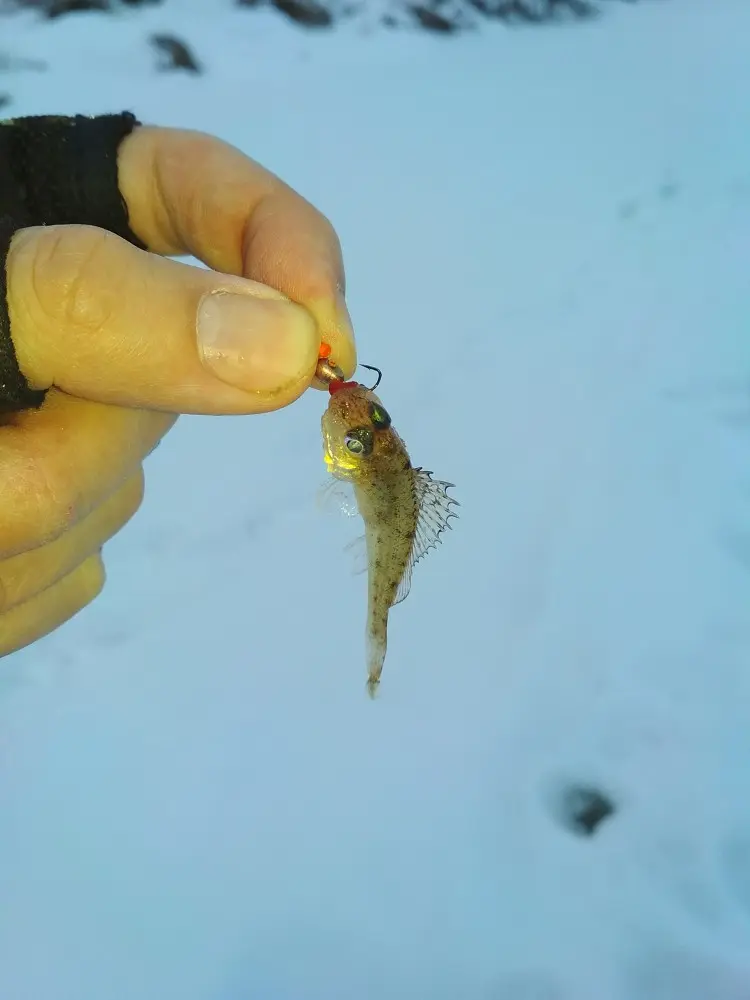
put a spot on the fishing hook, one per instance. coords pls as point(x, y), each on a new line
point(328, 372)
point(379, 374)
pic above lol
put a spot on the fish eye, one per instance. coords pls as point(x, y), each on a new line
point(380, 417)
point(359, 441)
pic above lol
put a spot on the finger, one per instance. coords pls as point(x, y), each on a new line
point(25, 575)
point(188, 192)
point(102, 320)
point(30, 621)
point(61, 461)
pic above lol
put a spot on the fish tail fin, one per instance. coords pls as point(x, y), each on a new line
point(376, 647)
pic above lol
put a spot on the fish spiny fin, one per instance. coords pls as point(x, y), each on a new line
point(435, 508)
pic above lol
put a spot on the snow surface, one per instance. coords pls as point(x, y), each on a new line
point(546, 234)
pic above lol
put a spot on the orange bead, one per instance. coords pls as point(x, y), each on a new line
point(325, 351)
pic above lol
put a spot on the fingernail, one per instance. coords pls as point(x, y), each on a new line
point(256, 344)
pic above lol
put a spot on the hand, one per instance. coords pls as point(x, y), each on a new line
point(128, 340)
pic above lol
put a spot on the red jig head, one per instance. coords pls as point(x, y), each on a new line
point(335, 385)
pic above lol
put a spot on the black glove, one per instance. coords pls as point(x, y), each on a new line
point(55, 170)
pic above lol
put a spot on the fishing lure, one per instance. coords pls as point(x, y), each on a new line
point(404, 509)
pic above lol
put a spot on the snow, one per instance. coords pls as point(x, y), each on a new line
point(546, 244)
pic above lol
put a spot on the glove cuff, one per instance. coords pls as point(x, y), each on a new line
point(55, 170)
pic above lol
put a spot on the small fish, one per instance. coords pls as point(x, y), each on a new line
point(404, 509)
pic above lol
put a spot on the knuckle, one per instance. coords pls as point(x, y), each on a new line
point(328, 231)
point(126, 503)
point(61, 282)
point(43, 506)
point(32, 571)
point(27, 622)
point(6, 593)
point(20, 580)
point(13, 638)
point(46, 495)
point(90, 579)
point(64, 277)
point(52, 499)
point(54, 505)
point(135, 490)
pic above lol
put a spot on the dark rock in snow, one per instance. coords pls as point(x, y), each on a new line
point(582, 808)
point(56, 8)
point(446, 17)
point(440, 17)
point(534, 11)
point(59, 7)
point(432, 21)
point(176, 54)
point(308, 12)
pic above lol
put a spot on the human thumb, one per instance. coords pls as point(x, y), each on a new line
point(100, 319)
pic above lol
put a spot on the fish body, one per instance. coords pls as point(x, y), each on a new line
point(403, 508)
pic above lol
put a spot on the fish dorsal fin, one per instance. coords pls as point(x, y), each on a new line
point(435, 508)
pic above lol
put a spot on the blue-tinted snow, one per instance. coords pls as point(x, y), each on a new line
point(546, 235)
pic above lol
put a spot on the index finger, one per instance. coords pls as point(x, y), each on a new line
point(187, 192)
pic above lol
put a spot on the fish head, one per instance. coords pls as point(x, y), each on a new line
point(356, 431)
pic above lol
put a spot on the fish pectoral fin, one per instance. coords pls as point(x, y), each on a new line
point(336, 496)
